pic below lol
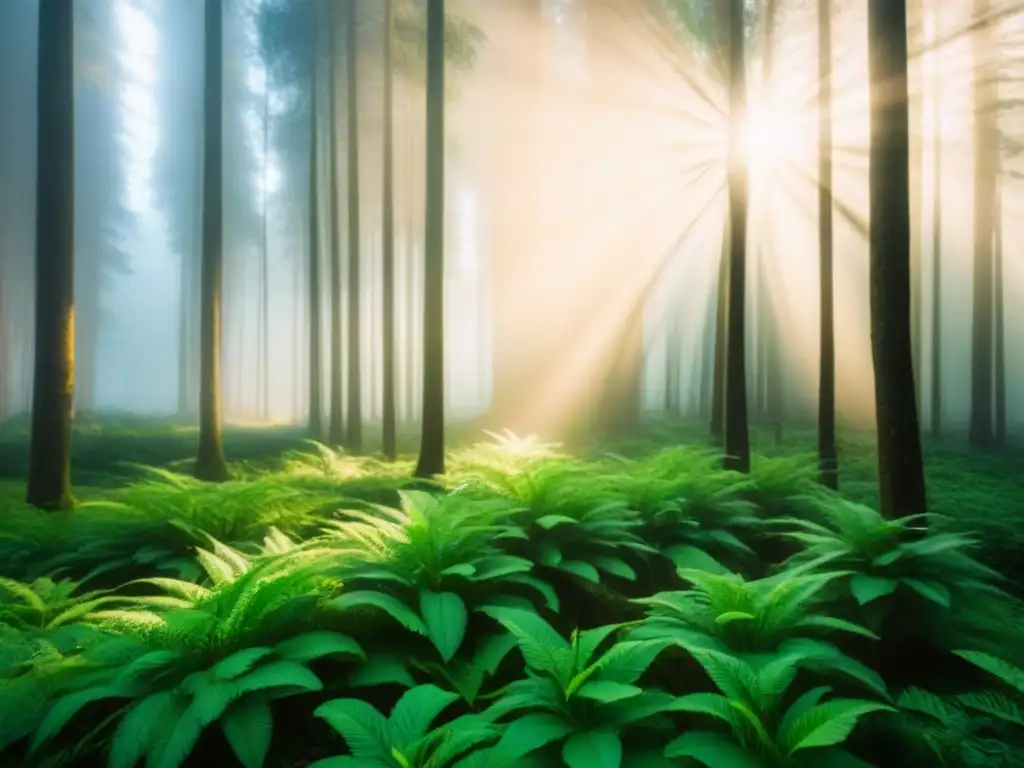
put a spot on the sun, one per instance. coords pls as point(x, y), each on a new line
point(771, 137)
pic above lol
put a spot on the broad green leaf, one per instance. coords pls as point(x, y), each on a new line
point(382, 670)
point(135, 731)
point(525, 735)
point(542, 647)
point(616, 567)
point(626, 661)
point(712, 750)
point(492, 651)
point(67, 707)
point(934, 591)
point(547, 522)
point(414, 712)
point(315, 645)
point(690, 557)
point(459, 569)
point(828, 724)
point(546, 590)
point(239, 663)
point(593, 749)
point(711, 704)
point(248, 727)
point(364, 729)
point(445, 617)
point(607, 691)
point(581, 569)
point(392, 606)
point(867, 589)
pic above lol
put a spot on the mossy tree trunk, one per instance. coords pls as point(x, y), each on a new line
point(737, 439)
point(827, 460)
point(388, 248)
point(900, 462)
point(210, 463)
point(431, 458)
point(354, 437)
point(49, 475)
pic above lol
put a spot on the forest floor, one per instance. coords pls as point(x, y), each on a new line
point(161, 607)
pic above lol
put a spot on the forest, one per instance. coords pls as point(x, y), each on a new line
point(511, 383)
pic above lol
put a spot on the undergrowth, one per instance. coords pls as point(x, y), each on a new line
point(635, 608)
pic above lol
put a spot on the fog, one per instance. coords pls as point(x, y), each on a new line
point(585, 165)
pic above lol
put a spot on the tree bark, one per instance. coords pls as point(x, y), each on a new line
point(431, 458)
point(314, 291)
point(999, 322)
point(737, 439)
point(936, 383)
point(49, 475)
point(354, 440)
point(986, 140)
point(336, 425)
point(264, 373)
point(210, 464)
point(388, 249)
point(900, 461)
point(721, 321)
point(827, 460)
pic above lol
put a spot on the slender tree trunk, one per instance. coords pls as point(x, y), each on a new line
point(827, 460)
point(264, 387)
point(6, 351)
point(721, 321)
point(900, 462)
point(936, 410)
point(737, 439)
point(673, 366)
point(986, 139)
point(210, 463)
point(431, 459)
point(49, 475)
point(355, 369)
point(388, 249)
point(314, 290)
point(999, 322)
point(336, 426)
point(916, 113)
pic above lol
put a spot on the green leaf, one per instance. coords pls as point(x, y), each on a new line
point(316, 645)
point(548, 555)
point(135, 732)
point(543, 649)
point(382, 670)
point(364, 729)
point(828, 724)
point(500, 567)
point(711, 704)
point(626, 661)
point(713, 750)
point(525, 735)
point(546, 590)
point(800, 707)
point(492, 651)
point(445, 616)
point(607, 691)
point(459, 569)
point(67, 707)
point(392, 606)
point(248, 727)
point(616, 567)
point(689, 557)
point(581, 569)
point(550, 521)
point(867, 589)
point(279, 674)
point(934, 591)
point(593, 749)
point(414, 712)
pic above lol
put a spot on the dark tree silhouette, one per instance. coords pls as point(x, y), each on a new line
point(49, 477)
point(354, 437)
point(388, 246)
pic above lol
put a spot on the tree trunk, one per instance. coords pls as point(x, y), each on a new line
point(388, 250)
point(827, 460)
point(673, 366)
point(916, 115)
point(210, 463)
point(986, 140)
point(314, 290)
point(1000, 328)
point(355, 369)
point(936, 384)
point(737, 439)
point(721, 321)
point(264, 372)
point(431, 459)
point(900, 462)
point(49, 476)
point(336, 426)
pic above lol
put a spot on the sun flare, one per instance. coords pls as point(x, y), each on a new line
point(771, 137)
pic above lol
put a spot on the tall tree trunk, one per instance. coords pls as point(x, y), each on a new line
point(264, 373)
point(314, 290)
point(737, 439)
point(6, 351)
point(986, 139)
point(827, 460)
point(336, 426)
point(355, 369)
point(916, 116)
point(900, 462)
point(49, 475)
point(388, 249)
point(431, 458)
point(210, 463)
point(999, 322)
point(673, 366)
point(720, 328)
point(936, 362)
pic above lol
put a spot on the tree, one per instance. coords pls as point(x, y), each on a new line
point(986, 158)
point(336, 425)
point(431, 458)
point(737, 438)
point(936, 384)
point(388, 247)
point(900, 461)
point(828, 471)
point(210, 463)
point(49, 476)
point(355, 370)
point(314, 288)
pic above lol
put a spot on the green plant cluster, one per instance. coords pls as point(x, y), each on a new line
point(534, 610)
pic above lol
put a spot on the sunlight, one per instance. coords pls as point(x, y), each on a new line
point(772, 138)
